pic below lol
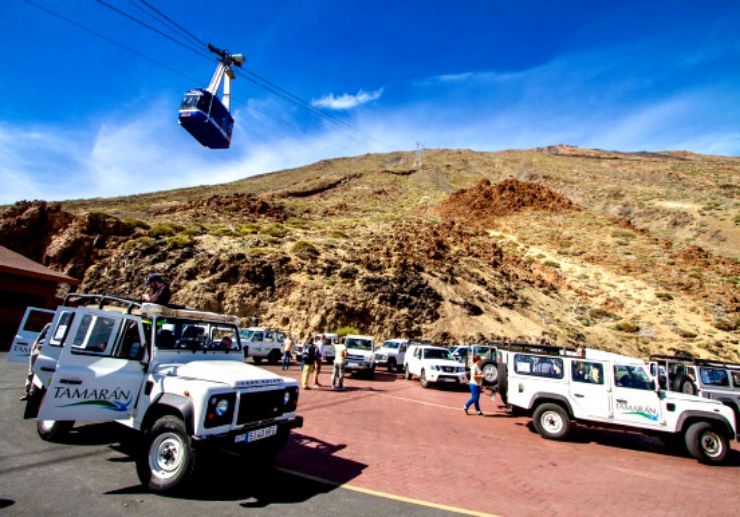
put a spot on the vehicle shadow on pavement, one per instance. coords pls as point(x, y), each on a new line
point(229, 477)
point(634, 442)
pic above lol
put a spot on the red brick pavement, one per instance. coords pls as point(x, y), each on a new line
point(392, 435)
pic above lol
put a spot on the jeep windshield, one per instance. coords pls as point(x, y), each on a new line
point(437, 353)
point(393, 345)
point(359, 344)
point(195, 335)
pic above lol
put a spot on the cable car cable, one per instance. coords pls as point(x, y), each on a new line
point(152, 28)
point(174, 23)
point(111, 40)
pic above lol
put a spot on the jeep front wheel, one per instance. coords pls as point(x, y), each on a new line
point(406, 373)
point(274, 357)
point(551, 421)
point(391, 365)
point(168, 462)
point(706, 443)
point(53, 430)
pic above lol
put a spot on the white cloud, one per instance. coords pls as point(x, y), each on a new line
point(347, 101)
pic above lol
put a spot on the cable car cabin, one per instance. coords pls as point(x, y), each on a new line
point(204, 116)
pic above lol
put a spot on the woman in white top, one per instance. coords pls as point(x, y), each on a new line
point(475, 384)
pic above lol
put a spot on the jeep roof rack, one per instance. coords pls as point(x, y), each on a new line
point(688, 358)
point(102, 300)
point(538, 348)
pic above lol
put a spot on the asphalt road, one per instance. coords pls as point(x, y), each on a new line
point(93, 473)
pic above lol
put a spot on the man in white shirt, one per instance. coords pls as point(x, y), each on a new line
point(337, 373)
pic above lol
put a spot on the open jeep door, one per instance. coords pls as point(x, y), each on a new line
point(33, 321)
point(100, 370)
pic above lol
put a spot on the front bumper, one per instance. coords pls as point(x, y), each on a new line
point(227, 440)
point(447, 377)
point(350, 366)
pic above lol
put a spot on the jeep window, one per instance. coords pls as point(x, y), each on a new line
point(714, 377)
point(634, 377)
point(281, 336)
point(36, 321)
point(131, 345)
point(551, 367)
point(63, 325)
point(193, 335)
point(269, 337)
point(393, 345)
point(588, 372)
point(736, 379)
point(94, 335)
point(258, 336)
point(436, 353)
point(224, 338)
point(359, 344)
point(417, 353)
point(245, 335)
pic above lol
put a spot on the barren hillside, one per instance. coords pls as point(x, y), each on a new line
point(631, 252)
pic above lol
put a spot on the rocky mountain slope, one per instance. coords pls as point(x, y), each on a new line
point(631, 252)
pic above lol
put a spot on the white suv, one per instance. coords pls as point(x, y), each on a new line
point(263, 343)
point(556, 386)
point(392, 354)
point(360, 355)
point(433, 364)
point(176, 375)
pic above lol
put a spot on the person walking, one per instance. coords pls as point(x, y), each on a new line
point(475, 385)
point(337, 372)
point(287, 352)
point(308, 362)
point(321, 342)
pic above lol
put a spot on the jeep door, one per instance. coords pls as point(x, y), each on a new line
point(33, 321)
point(100, 372)
point(588, 389)
point(46, 362)
point(634, 399)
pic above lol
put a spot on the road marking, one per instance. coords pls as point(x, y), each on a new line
point(386, 495)
point(420, 402)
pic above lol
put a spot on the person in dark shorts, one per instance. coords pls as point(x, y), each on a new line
point(159, 291)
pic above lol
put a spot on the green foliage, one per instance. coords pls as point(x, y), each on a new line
point(141, 242)
point(601, 314)
point(338, 234)
point(623, 234)
point(552, 263)
point(164, 229)
point(737, 219)
point(274, 230)
point(132, 223)
point(220, 230)
point(247, 229)
point(666, 297)
point(194, 229)
point(305, 249)
point(181, 240)
point(297, 222)
point(346, 331)
point(626, 326)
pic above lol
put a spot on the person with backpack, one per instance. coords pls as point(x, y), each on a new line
point(308, 362)
point(321, 342)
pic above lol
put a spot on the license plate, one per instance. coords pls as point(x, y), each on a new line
point(257, 434)
point(447, 380)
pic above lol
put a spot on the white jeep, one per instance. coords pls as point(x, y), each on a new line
point(263, 343)
point(715, 380)
point(433, 365)
point(557, 386)
point(33, 321)
point(392, 354)
point(360, 355)
point(176, 375)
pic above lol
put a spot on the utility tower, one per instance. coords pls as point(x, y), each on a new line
point(418, 160)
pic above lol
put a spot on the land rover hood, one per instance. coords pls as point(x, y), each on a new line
point(442, 362)
point(233, 373)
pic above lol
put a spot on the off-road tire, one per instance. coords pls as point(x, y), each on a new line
point(406, 373)
point(371, 372)
point(707, 443)
point(502, 385)
point(490, 374)
point(257, 360)
point(423, 379)
point(391, 365)
point(551, 421)
point(683, 384)
point(274, 357)
point(167, 462)
point(54, 430)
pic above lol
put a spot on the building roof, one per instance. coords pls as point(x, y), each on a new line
point(16, 264)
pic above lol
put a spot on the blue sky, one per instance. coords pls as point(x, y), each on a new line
point(81, 117)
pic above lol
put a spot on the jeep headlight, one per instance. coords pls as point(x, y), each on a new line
point(436, 368)
point(286, 398)
point(222, 407)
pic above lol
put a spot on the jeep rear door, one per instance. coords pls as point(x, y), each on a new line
point(589, 391)
point(46, 362)
point(99, 373)
point(33, 321)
